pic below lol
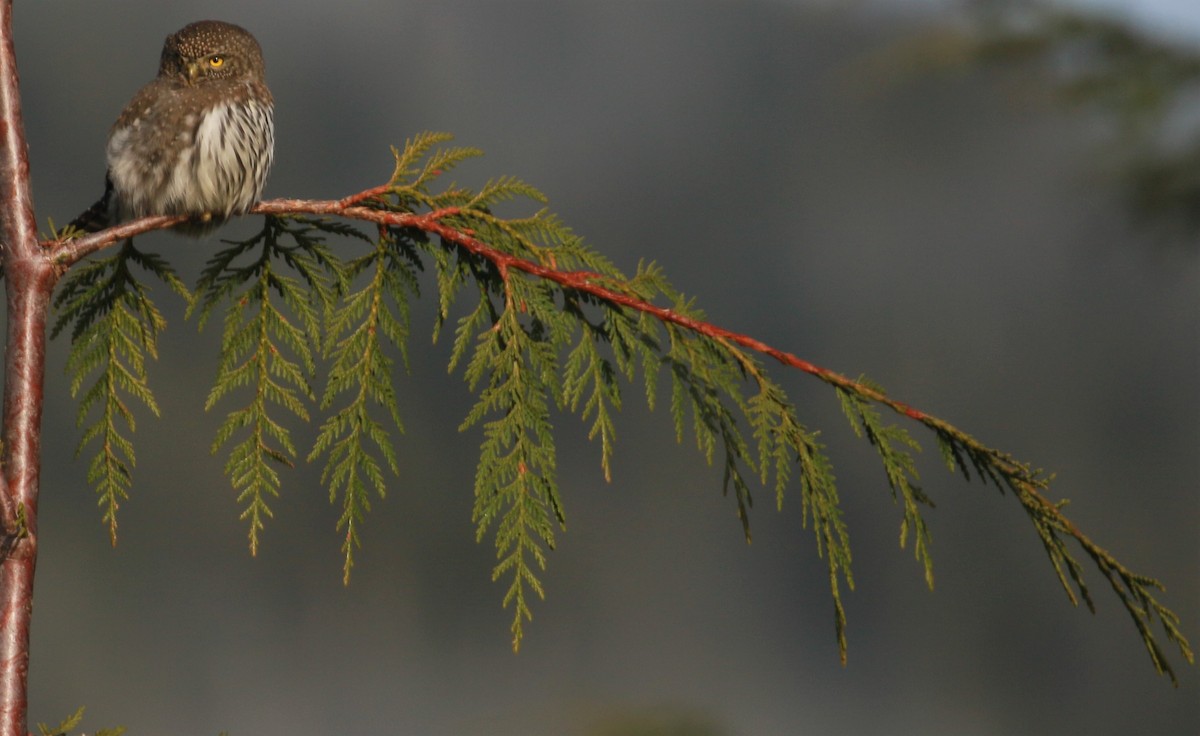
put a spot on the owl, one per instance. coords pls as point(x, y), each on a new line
point(198, 140)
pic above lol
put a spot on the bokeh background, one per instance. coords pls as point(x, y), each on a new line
point(948, 233)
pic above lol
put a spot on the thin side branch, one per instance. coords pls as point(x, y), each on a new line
point(1028, 483)
point(961, 450)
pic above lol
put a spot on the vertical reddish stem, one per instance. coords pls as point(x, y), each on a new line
point(28, 299)
point(28, 280)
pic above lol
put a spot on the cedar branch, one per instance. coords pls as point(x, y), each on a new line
point(1028, 485)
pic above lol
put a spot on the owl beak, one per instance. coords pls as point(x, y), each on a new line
point(193, 71)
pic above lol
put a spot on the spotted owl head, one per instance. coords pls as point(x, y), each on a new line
point(211, 50)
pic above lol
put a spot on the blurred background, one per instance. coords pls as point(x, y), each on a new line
point(873, 186)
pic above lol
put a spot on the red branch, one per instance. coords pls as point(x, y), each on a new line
point(583, 281)
point(65, 253)
point(1024, 482)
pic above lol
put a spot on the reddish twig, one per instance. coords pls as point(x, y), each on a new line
point(1024, 483)
point(1027, 484)
point(65, 253)
point(62, 253)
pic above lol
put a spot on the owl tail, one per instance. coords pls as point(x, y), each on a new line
point(99, 215)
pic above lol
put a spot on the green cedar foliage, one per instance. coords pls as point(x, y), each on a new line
point(71, 722)
point(547, 327)
point(114, 329)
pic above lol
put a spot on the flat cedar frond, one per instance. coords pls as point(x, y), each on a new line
point(515, 485)
point(782, 443)
point(64, 728)
point(415, 149)
point(409, 185)
point(352, 440)
point(504, 189)
point(273, 323)
point(587, 371)
point(114, 328)
point(71, 722)
point(895, 447)
point(544, 228)
point(548, 324)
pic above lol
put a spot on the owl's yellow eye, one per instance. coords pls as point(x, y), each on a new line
point(216, 62)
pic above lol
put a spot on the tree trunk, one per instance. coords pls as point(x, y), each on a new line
point(29, 279)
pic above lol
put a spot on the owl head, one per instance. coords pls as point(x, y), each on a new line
point(210, 50)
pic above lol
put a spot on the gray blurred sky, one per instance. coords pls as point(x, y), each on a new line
point(950, 237)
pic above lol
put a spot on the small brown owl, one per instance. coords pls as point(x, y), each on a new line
point(198, 140)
